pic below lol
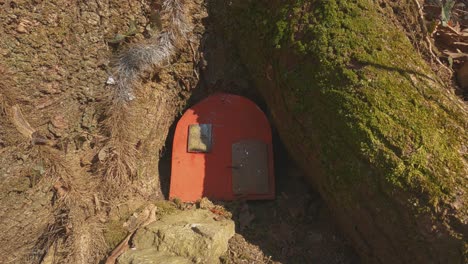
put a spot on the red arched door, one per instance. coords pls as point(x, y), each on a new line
point(222, 150)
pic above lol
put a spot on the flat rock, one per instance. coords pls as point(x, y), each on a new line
point(152, 256)
point(193, 236)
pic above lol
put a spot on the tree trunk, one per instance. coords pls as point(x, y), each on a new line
point(60, 127)
point(382, 139)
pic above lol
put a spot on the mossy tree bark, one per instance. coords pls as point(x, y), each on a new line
point(380, 136)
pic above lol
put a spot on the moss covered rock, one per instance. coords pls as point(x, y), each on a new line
point(152, 256)
point(380, 136)
point(192, 235)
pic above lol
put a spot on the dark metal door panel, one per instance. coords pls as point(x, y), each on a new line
point(250, 167)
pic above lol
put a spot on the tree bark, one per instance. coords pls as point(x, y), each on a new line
point(56, 201)
point(381, 138)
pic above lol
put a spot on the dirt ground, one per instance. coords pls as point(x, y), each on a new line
point(55, 59)
point(296, 227)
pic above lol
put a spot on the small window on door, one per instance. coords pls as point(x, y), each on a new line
point(199, 138)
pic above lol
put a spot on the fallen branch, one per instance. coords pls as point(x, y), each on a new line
point(147, 217)
point(119, 250)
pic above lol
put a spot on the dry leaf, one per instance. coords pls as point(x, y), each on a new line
point(20, 122)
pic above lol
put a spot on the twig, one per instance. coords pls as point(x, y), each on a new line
point(119, 250)
point(21, 124)
point(194, 60)
point(123, 246)
point(97, 203)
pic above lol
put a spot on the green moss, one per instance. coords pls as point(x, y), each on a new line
point(115, 233)
point(165, 207)
point(358, 85)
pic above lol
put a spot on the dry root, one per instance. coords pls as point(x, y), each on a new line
point(119, 155)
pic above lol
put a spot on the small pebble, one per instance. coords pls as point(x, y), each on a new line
point(21, 28)
point(110, 80)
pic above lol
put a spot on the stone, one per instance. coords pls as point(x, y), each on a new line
point(21, 28)
point(192, 235)
point(151, 256)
